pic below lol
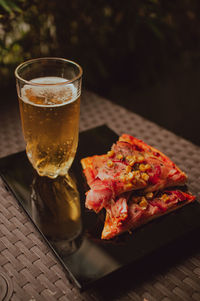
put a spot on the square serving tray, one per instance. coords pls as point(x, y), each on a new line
point(94, 259)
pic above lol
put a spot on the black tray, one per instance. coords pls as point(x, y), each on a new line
point(93, 259)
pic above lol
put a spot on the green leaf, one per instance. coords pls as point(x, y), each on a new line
point(10, 6)
point(156, 31)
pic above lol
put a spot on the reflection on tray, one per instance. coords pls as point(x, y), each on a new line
point(55, 205)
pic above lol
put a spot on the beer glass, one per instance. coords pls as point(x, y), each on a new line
point(49, 92)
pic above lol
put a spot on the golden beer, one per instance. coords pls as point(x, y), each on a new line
point(50, 121)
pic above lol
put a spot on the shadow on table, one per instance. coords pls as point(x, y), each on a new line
point(152, 267)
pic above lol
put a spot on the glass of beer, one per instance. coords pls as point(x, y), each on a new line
point(49, 92)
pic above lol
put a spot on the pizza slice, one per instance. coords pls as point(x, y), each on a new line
point(129, 212)
point(130, 165)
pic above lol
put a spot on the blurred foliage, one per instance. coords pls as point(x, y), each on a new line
point(131, 41)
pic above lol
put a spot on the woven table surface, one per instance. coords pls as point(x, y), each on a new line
point(35, 272)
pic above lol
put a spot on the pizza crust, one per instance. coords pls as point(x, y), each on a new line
point(107, 232)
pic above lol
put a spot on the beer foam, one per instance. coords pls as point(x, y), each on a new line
point(47, 93)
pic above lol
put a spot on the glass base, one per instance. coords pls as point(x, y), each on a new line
point(50, 170)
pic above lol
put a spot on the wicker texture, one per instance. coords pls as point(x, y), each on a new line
point(26, 259)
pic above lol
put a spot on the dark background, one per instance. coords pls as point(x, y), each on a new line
point(144, 55)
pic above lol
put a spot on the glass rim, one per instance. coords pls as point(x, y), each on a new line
point(29, 82)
